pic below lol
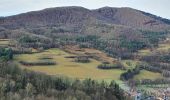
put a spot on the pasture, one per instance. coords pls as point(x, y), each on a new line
point(144, 52)
point(162, 47)
point(98, 55)
point(129, 64)
point(148, 75)
point(67, 66)
point(4, 42)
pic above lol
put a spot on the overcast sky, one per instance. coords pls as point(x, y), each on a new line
point(13, 7)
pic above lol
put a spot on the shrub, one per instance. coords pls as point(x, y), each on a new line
point(82, 59)
point(41, 63)
point(130, 73)
point(109, 66)
point(45, 58)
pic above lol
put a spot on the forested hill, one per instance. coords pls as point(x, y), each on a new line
point(79, 19)
point(115, 25)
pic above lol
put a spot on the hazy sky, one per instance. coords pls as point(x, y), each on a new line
point(12, 7)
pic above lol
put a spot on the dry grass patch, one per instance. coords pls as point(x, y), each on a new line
point(96, 54)
point(144, 52)
point(4, 42)
point(164, 47)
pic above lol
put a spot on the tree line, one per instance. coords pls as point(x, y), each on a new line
point(130, 73)
point(6, 54)
point(19, 84)
point(153, 82)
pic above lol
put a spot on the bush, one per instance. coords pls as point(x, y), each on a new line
point(6, 54)
point(45, 58)
point(109, 66)
point(130, 73)
point(82, 59)
point(40, 63)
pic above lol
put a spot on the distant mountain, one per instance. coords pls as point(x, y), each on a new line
point(49, 17)
point(102, 21)
point(133, 18)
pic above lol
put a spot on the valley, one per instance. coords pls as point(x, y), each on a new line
point(74, 53)
point(65, 64)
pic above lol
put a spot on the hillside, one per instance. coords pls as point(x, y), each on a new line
point(62, 25)
point(80, 19)
point(63, 49)
point(112, 24)
point(131, 17)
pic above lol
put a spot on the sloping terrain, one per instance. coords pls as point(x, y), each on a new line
point(80, 20)
point(106, 43)
point(114, 26)
point(118, 26)
point(133, 18)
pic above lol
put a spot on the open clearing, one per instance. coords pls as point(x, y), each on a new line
point(98, 55)
point(162, 47)
point(129, 64)
point(148, 75)
point(144, 52)
point(67, 66)
point(4, 42)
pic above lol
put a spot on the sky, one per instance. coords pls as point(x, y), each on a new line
point(13, 7)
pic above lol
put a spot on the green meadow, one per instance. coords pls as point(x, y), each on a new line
point(67, 66)
point(148, 75)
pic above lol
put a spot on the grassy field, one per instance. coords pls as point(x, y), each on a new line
point(67, 66)
point(144, 52)
point(148, 75)
point(163, 47)
point(99, 55)
point(129, 64)
point(4, 42)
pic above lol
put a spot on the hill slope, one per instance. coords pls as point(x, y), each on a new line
point(106, 22)
point(79, 15)
point(132, 17)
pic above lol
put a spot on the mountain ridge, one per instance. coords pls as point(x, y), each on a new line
point(86, 21)
point(133, 14)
